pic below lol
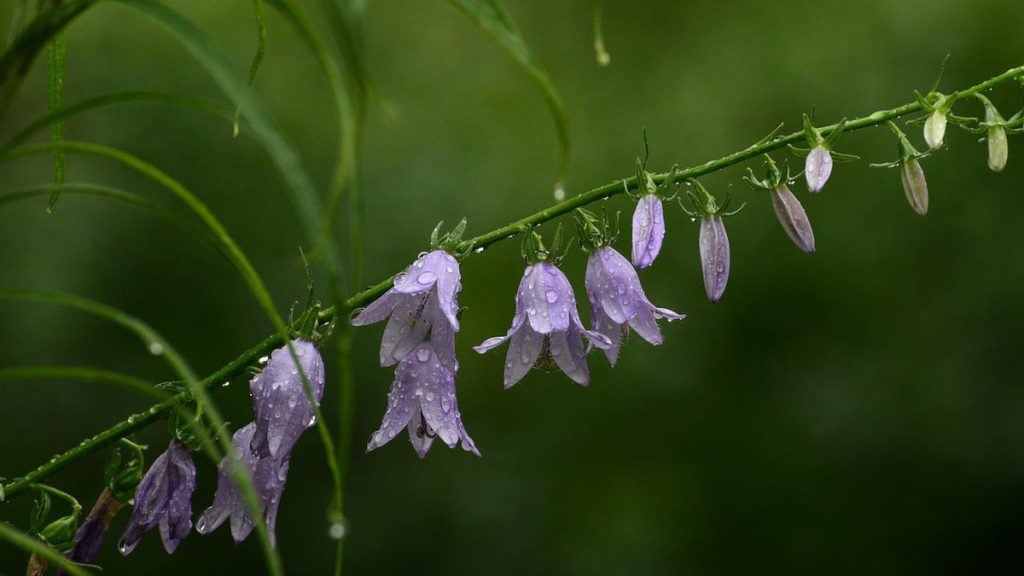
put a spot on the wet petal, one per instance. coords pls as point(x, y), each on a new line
point(378, 310)
point(282, 407)
point(610, 280)
point(523, 350)
point(407, 327)
point(227, 501)
point(176, 524)
point(648, 230)
point(449, 284)
point(544, 298)
point(611, 330)
point(422, 274)
point(419, 436)
point(646, 326)
point(402, 408)
point(569, 354)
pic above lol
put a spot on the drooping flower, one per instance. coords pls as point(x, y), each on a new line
point(546, 325)
point(422, 400)
point(818, 168)
point(995, 129)
point(714, 256)
point(89, 536)
point(648, 230)
point(998, 149)
point(268, 476)
point(618, 302)
point(792, 217)
point(788, 209)
point(282, 407)
point(914, 185)
point(422, 302)
point(164, 499)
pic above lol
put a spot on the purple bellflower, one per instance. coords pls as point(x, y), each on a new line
point(648, 230)
point(283, 410)
point(547, 324)
point(618, 302)
point(713, 242)
point(268, 478)
point(164, 499)
point(90, 534)
point(422, 302)
point(422, 400)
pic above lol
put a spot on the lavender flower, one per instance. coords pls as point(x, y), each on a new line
point(268, 477)
point(283, 410)
point(423, 301)
point(422, 400)
point(618, 302)
point(818, 168)
point(164, 498)
point(648, 230)
point(791, 215)
point(546, 324)
point(90, 534)
point(914, 185)
point(714, 256)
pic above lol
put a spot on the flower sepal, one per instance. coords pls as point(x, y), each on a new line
point(450, 241)
point(593, 232)
point(703, 204)
point(534, 251)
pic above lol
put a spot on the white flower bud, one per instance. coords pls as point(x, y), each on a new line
point(998, 149)
point(935, 129)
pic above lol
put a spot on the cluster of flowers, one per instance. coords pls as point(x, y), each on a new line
point(283, 411)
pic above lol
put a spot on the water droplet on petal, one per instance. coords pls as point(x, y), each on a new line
point(423, 354)
point(552, 296)
point(427, 278)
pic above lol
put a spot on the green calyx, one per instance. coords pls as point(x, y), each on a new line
point(450, 241)
point(907, 152)
point(58, 533)
point(703, 204)
point(124, 470)
point(534, 251)
point(773, 176)
point(645, 180)
point(593, 232)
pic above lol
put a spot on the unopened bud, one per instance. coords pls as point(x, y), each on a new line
point(998, 150)
point(935, 129)
point(714, 256)
point(915, 185)
point(794, 220)
point(818, 168)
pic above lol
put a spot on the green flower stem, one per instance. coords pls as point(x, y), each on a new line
point(340, 314)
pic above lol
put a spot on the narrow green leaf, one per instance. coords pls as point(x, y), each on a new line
point(85, 374)
point(35, 546)
point(492, 18)
point(261, 50)
point(54, 102)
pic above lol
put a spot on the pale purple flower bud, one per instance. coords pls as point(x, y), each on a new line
point(998, 149)
point(424, 300)
point(648, 230)
point(818, 168)
point(935, 129)
point(618, 302)
point(164, 498)
point(422, 400)
point(794, 220)
point(546, 325)
point(268, 478)
point(914, 185)
point(714, 256)
point(282, 407)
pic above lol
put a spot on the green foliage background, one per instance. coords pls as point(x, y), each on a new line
point(854, 411)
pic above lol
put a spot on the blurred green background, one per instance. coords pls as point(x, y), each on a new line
point(855, 411)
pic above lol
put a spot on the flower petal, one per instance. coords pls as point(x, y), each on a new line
point(714, 256)
point(610, 329)
point(403, 407)
point(421, 440)
point(378, 310)
point(818, 168)
point(523, 350)
point(569, 354)
point(407, 327)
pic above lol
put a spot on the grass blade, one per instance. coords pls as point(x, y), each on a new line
point(84, 373)
point(54, 102)
point(35, 546)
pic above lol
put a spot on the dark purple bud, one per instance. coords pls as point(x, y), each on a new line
point(164, 498)
point(793, 218)
point(915, 185)
point(818, 168)
point(648, 230)
point(714, 256)
point(89, 536)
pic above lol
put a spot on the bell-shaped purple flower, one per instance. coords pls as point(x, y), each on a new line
point(422, 400)
point(818, 168)
point(648, 230)
point(791, 215)
point(423, 300)
point(914, 185)
point(283, 410)
point(618, 301)
point(268, 478)
point(714, 256)
point(164, 498)
point(546, 324)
